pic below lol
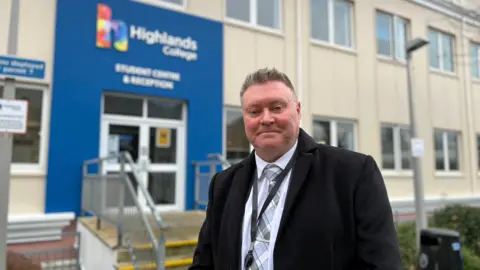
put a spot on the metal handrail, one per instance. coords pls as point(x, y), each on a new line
point(159, 245)
point(220, 158)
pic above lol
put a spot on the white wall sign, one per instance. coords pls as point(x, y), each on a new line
point(13, 116)
point(418, 147)
point(147, 77)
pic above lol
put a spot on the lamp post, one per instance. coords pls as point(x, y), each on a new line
point(416, 144)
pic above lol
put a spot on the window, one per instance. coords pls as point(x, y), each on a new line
point(474, 48)
point(27, 147)
point(391, 35)
point(336, 133)
point(441, 51)
point(447, 156)
point(264, 13)
point(127, 105)
point(331, 21)
point(395, 147)
point(237, 144)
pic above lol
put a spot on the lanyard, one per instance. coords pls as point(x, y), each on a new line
point(254, 220)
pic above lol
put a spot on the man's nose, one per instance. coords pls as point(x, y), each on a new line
point(267, 118)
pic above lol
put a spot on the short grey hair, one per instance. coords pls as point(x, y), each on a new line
point(265, 75)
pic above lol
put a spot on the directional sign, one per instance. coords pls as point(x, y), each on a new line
point(21, 67)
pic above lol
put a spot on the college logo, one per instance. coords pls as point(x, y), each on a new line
point(110, 31)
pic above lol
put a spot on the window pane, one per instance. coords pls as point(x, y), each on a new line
point(239, 10)
point(26, 147)
point(123, 105)
point(439, 153)
point(342, 23)
point(319, 19)
point(433, 45)
point(321, 132)
point(474, 60)
point(165, 152)
point(400, 37)
point(447, 52)
point(165, 109)
point(453, 158)
point(238, 146)
point(162, 186)
point(388, 154)
point(124, 138)
point(177, 2)
point(345, 136)
point(268, 13)
point(384, 26)
point(405, 148)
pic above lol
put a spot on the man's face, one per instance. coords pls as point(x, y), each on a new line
point(271, 115)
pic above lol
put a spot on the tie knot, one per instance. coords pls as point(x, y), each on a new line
point(271, 171)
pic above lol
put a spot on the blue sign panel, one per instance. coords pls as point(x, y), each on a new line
point(20, 67)
point(130, 48)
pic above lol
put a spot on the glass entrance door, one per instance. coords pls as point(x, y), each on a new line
point(165, 168)
point(156, 149)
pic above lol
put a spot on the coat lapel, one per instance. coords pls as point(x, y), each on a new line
point(235, 208)
point(299, 176)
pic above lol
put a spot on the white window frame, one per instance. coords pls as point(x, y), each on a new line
point(253, 18)
point(441, 63)
point(161, 3)
point(333, 129)
point(446, 164)
point(397, 150)
point(226, 109)
point(393, 35)
point(475, 45)
point(331, 27)
point(39, 168)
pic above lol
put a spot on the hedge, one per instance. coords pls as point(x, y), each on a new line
point(464, 219)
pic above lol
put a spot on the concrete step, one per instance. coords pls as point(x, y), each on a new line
point(174, 249)
point(181, 240)
point(174, 263)
point(184, 226)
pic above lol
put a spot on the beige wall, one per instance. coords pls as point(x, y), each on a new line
point(35, 40)
point(358, 85)
point(352, 84)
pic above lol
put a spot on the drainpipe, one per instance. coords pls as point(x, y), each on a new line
point(469, 113)
point(299, 53)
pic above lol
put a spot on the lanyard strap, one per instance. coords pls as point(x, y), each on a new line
point(254, 220)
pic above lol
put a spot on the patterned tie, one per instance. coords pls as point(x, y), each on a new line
point(260, 249)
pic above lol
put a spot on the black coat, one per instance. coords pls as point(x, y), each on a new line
point(337, 215)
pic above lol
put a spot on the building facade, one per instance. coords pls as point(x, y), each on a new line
point(164, 84)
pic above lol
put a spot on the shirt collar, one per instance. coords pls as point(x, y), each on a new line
point(281, 162)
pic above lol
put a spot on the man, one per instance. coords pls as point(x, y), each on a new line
point(330, 212)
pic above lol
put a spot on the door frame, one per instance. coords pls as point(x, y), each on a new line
point(144, 125)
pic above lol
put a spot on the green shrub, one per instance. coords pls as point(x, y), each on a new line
point(464, 219)
point(461, 218)
point(470, 260)
point(406, 239)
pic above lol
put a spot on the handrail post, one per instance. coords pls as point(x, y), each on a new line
point(197, 185)
point(121, 203)
point(161, 252)
point(84, 185)
point(103, 190)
